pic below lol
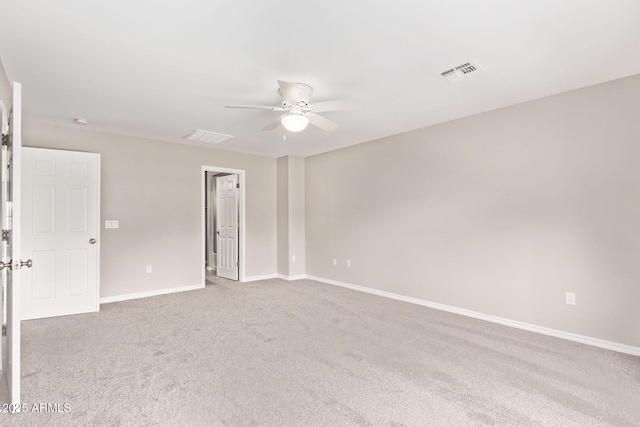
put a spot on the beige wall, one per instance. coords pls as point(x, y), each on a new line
point(500, 213)
point(283, 215)
point(291, 216)
point(296, 216)
point(153, 189)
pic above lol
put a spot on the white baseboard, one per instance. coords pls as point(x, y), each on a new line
point(263, 277)
point(146, 294)
point(609, 345)
point(299, 277)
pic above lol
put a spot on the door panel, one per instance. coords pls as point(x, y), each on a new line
point(78, 267)
point(44, 167)
point(78, 209)
point(43, 209)
point(43, 274)
point(61, 190)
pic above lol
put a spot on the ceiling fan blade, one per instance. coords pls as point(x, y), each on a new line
point(274, 124)
point(324, 124)
point(257, 107)
point(341, 105)
point(289, 91)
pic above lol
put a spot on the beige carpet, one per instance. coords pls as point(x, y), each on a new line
point(303, 353)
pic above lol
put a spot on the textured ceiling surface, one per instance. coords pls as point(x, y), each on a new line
point(162, 69)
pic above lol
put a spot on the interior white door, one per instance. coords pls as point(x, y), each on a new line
point(60, 232)
point(227, 226)
point(11, 262)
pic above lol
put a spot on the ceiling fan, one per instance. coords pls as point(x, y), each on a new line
point(299, 111)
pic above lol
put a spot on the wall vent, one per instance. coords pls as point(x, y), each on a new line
point(207, 136)
point(460, 72)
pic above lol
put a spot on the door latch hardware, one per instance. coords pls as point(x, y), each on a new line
point(15, 265)
point(4, 330)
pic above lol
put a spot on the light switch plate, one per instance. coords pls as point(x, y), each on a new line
point(111, 224)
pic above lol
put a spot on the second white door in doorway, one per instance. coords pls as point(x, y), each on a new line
point(227, 226)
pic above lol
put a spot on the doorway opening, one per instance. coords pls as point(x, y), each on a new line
point(223, 219)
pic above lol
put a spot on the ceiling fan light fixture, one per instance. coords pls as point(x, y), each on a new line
point(295, 122)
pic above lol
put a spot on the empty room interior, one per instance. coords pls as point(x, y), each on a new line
point(320, 213)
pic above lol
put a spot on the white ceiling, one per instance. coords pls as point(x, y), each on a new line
point(160, 69)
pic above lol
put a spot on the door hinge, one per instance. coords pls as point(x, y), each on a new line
point(4, 330)
point(5, 139)
point(237, 185)
point(5, 235)
point(237, 263)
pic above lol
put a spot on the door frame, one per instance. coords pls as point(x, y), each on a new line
point(12, 302)
point(241, 212)
point(4, 130)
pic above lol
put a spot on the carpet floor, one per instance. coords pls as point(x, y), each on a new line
point(303, 353)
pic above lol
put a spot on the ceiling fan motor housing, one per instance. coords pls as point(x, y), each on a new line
point(304, 93)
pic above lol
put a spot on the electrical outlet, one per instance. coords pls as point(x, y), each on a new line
point(571, 298)
point(349, 263)
point(148, 269)
point(335, 261)
point(111, 224)
point(293, 258)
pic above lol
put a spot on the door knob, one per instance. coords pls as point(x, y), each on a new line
point(28, 263)
point(92, 241)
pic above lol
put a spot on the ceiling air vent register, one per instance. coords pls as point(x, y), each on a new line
point(460, 72)
point(207, 136)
